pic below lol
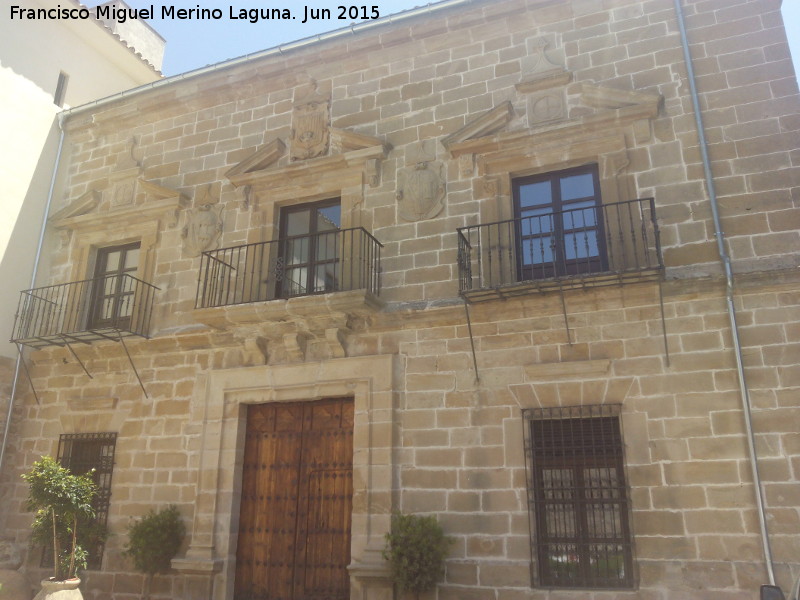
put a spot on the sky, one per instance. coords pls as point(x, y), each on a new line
point(195, 43)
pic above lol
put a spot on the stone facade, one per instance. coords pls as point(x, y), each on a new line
point(422, 126)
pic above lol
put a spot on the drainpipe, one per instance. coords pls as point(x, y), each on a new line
point(18, 365)
point(726, 263)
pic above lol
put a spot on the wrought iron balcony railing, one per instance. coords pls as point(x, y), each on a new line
point(109, 307)
point(331, 261)
point(581, 247)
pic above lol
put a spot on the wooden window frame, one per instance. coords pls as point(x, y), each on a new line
point(580, 522)
point(313, 239)
point(119, 294)
point(556, 219)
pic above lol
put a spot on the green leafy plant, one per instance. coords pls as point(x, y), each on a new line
point(154, 540)
point(61, 501)
point(416, 548)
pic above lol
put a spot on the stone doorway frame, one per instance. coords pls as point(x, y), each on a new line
point(219, 412)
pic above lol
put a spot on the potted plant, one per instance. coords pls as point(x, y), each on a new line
point(153, 541)
point(416, 548)
point(61, 501)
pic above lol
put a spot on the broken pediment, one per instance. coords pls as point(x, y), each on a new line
point(261, 160)
point(269, 167)
point(596, 96)
point(90, 211)
point(83, 205)
point(487, 124)
point(346, 141)
point(604, 110)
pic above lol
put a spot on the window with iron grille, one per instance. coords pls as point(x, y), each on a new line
point(91, 452)
point(578, 498)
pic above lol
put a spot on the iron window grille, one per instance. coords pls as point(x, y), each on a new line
point(90, 453)
point(578, 498)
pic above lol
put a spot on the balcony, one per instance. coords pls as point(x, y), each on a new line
point(584, 247)
point(335, 261)
point(110, 307)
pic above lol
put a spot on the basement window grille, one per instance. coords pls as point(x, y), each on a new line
point(90, 453)
point(578, 498)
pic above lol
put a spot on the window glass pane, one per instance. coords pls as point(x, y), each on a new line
point(297, 223)
point(534, 224)
point(607, 562)
point(112, 261)
point(577, 186)
point(295, 281)
point(537, 250)
point(580, 217)
point(325, 278)
point(558, 486)
point(131, 259)
point(535, 194)
point(580, 245)
point(297, 250)
point(125, 306)
point(329, 218)
point(109, 284)
point(327, 244)
point(562, 565)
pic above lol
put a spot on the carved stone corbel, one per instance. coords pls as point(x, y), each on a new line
point(295, 345)
point(372, 172)
point(255, 352)
point(466, 165)
point(335, 339)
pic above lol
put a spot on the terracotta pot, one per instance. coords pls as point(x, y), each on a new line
point(59, 590)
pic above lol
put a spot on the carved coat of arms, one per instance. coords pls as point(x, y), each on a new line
point(420, 189)
point(202, 230)
point(310, 125)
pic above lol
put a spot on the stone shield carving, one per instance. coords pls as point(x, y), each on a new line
point(310, 125)
point(202, 230)
point(420, 190)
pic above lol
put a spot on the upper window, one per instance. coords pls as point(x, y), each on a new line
point(309, 251)
point(114, 287)
point(559, 224)
point(578, 497)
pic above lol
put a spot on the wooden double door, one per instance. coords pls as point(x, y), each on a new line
point(297, 490)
